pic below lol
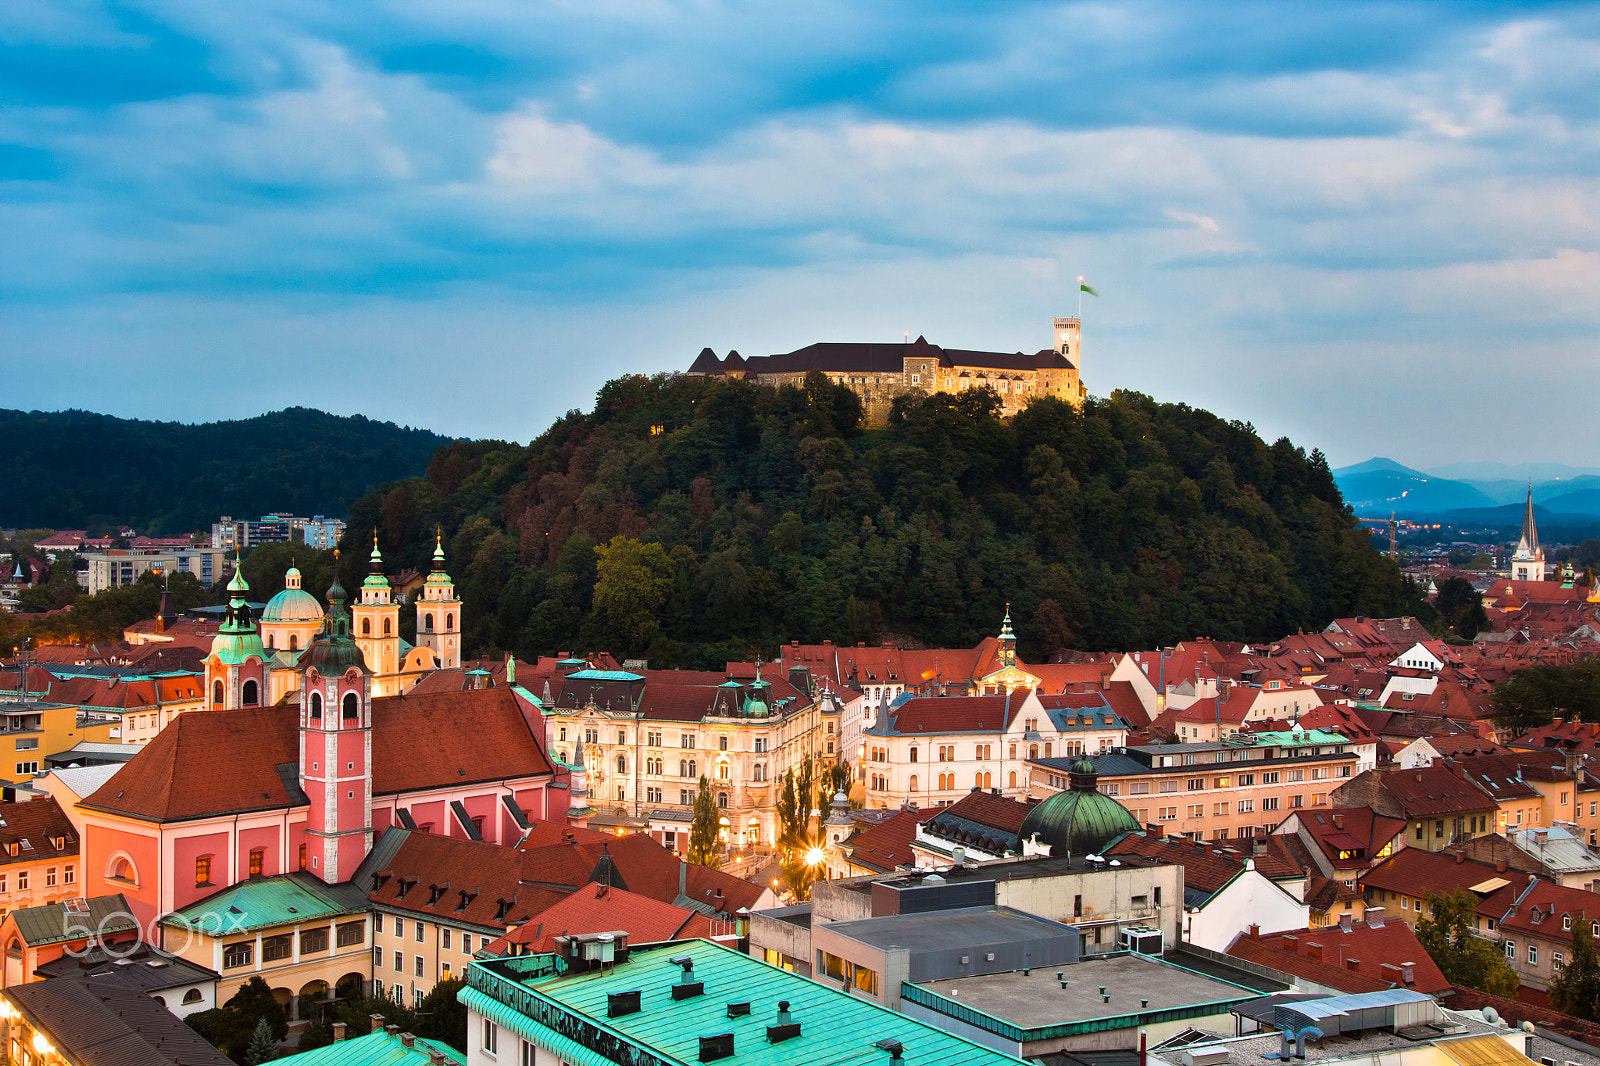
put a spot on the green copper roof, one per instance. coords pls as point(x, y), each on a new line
point(1005, 627)
point(438, 577)
point(263, 902)
point(835, 1027)
point(292, 605)
point(335, 650)
point(1079, 821)
point(377, 1049)
point(375, 578)
point(237, 638)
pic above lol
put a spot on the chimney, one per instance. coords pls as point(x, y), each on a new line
point(392, 1030)
point(1374, 917)
point(1500, 866)
point(1255, 931)
point(338, 1031)
point(1313, 950)
point(1390, 972)
point(1338, 821)
point(1461, 856)
point(1291, 944)
point(407, 1040)
point(435, 1058)
point(377, 1022)
point(1346, 922)
point(1353, 965)
point(1408, 972)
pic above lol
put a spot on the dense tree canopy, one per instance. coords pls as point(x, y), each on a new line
point(74, 469)
point(730, 517)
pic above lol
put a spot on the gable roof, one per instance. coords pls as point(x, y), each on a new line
point(886, 846)
point(455, 880)
point(1413, 871)
point(52, 923)
point(601, 909)
point(1351, 960)
point(1428, 791)
point(208, 763)
point(35, 826)
point(107, 1023)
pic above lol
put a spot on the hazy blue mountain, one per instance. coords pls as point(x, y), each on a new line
point(1518, 472)
point(1380, 485)
point(1584, 501)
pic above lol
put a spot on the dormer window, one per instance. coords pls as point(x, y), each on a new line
point(1566, 921)
point(435, 892)
point(405, 886)
point(505, 906)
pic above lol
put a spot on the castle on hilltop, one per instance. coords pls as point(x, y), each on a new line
point(880, 372)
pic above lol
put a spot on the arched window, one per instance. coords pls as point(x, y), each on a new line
point(216, 692)
point(193, 996)
point(450, 621)
point(913, 782)
point(249, 693)
point(352, 707)
point(122, 869)
point(722, 799)
point(366, 627)
point(977, 780)
point(1033, 751)
point(385, 627)
point(683, 767)
point(294, 642)
point(1013, 779)
point(694, 770)
point(316, 706)
point(622, 764)
point(427, 622)
point(988, 779)
point(202, 870)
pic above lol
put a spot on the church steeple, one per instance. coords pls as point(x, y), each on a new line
point(376, 619)
point(1008, 641)
point(439, 612)
point(1527, 562)
point(235, 669)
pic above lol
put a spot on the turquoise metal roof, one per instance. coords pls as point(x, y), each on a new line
point(376, 1049)
point(603, 675)
point(260, 903)
point(836, 1027)
point(1286, 739)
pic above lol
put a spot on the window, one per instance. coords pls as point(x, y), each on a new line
point(302, 856)
point(1247, 806)
point(27, 768)
point(418, 927)
point(377, 958)
point(27, 743)
point(1138, 788)
point(239, 954)
point(216, 692)
point(399, 926)
point(69, 874)
point(444, 938)
point(1196, 810)
point(352, 707)
point(528, 1058)
point(686, 740)
point(274, 948)
point(491, 1036)
point(1167, 814)
point(1296, 775)
point(399, 962)
point(1533, 954)
point(761, 745)
point(202, 870)
point(313, 940)
point(914, 782)
point(466, 943)
point(622, 764)
point(419, 965)
point(1511, 950)
point(50, 877)
point(257, 857)
point(913, 754)
point(249, 693)
point(1246, 780)
point(1270, 777)
point(722, 743)
point(194, 995)
point(1195, 784)
point(316, 706)
point(1269, 803)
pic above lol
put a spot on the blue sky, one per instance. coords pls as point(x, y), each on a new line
point(1371, 227)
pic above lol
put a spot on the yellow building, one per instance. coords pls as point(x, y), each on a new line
point(879, 373)
point(307, 940)
point(39, 860)
point(33, 731)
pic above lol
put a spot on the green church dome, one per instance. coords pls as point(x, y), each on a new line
point(292, 605)
point(1079, 821)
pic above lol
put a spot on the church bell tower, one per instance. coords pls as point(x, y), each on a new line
point(439, 613)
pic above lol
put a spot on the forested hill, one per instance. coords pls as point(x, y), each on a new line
point(75, 469)
point(751, 516)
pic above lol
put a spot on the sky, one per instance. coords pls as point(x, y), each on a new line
point(1371, 227)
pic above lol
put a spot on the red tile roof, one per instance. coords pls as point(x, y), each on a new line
point(429, 873)
point(1532, 906)
point(1369, 829)
point(1429, 791)
point(1207, 869)
point(1352, 960)
point(1412, 871)
point(38, 824)
point(601, 909)
point(219, 762)
point(954, 714)
point(887, 845)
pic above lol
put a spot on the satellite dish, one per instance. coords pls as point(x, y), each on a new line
point(1491, 1016)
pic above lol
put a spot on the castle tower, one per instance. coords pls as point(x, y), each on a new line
point(336, 746)
point(439, 613)
point(1527, 562)
point(236, 667)
point(1069, 334)
point(375, 620)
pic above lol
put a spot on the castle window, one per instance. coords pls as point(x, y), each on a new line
point(449, 621)
point(352, 707)
point(386, 627)
point(294, 642)
point(216, 692)
point(249, 693)
point(316, 706)
point(366, 627)
point(427, 622)
point(302, 856)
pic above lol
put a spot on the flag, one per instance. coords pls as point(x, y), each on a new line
point(1086, 288)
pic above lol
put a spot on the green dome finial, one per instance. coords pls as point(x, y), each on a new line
point(438, 547)
point(1079, 821)
point(1005, 626)
point(377, 556)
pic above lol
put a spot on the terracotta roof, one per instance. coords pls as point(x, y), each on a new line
point(887, 846)
point(601, 909)
point(1433, 790)
point(220, 762)
point(1413, 871)
point(951, 714)
point(1350, 960)
point(1535, 907)
point(428, 874)
point(34, 827)
point(641, 865)
point(1207, 869)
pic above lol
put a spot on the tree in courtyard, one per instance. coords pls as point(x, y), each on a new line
point(231, 1028)
point(1575, 990)
point(262, 1045)
point(703, 849)
point(1464, 959)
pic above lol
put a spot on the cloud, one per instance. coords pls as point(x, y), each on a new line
point(1279, 179)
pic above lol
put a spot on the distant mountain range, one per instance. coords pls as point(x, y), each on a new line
point(1378, 486)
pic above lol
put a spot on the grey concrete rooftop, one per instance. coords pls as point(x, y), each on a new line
point(1135, 984)
point(942, 930)
point(1365, 1045)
